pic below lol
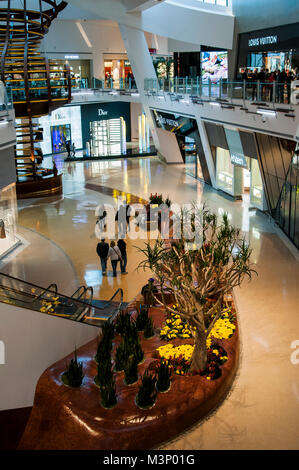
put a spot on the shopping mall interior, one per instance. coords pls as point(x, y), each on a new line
point(149, 225)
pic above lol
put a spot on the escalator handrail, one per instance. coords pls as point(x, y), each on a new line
point(115, 293)
point(38, 287)
point(76, 291)
point(46, 290)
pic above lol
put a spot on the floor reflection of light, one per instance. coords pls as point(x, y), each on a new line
point(256, 233)
point(92, 277)
point(80, 421)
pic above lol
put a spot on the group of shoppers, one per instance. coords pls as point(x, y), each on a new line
point(281, 78)
point(116, 253)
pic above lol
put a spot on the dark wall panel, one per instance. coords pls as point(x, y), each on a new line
point(275, 156)
point(7, 167)
point(216, 135)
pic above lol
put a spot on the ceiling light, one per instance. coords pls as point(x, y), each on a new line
point(214, 103)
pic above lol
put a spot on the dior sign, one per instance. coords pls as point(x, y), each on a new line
point(101, 112)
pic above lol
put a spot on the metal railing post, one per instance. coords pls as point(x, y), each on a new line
point(220, 88)
point(244, 90)
point(197, 89)
point(274, 91)
point(258, 91)
point(210, 87)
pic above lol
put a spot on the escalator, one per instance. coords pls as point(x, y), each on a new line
point(80, 307)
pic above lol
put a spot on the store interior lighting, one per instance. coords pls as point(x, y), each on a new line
point(268, 112)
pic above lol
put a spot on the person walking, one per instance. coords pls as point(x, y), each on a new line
point(123, 249)
point(102, 251)
point(115, 255)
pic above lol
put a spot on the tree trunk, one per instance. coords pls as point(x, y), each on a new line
point(199, 356)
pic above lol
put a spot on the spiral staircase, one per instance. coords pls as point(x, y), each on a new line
point(35, 84)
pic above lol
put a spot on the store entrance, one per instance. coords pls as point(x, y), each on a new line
point(192, 162)
point(240, 177)
point(108, 137)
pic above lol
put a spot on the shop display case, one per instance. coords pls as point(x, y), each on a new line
point(8, 219)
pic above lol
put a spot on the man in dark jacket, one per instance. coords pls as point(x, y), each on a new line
point(123, 249)
point(102, 251)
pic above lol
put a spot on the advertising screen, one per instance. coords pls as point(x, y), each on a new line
point(213, 66)
point(59, 136)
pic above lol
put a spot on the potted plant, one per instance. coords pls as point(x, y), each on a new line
point(73, 376)
point(149, 329)
point(164, 374)
point(108, 394)
point(147, 393)
point(131, 371)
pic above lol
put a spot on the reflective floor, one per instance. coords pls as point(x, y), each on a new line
point(262, 411)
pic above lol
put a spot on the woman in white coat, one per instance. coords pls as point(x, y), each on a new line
point(115, 255)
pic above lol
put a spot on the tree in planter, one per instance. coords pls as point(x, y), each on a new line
point(199, 279)
point(73, 376)
point(108, 394)
point(149, 328)
point(131, 370)
point(164, 374)
point(142, 318)
point(147, 393)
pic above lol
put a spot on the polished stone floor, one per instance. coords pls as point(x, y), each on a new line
point(262, 410)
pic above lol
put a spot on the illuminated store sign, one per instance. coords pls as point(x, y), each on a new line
point(169, 122)
point(262, 41)
point(71, 57)
point(238, 159)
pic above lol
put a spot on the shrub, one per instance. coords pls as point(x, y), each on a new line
point(131, 371)
point(73, 376)
point(122, 323)
point(146, 395)
point(104, 350)
point(138, 352)
point(105, 373)
point(164, 374)
point(142, 318)
point(108, 394)
point(149, 328)
point(121, 357)
point(108, 331)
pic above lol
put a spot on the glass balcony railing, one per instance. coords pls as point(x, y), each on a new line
point(223, 90)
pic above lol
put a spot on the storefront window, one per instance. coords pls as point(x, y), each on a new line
point(108, 137)
point(8, 219)
point(256, 187)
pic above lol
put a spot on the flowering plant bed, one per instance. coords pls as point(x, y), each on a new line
point(78, 421)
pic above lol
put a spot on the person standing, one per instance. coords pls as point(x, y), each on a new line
point(115, 255)
point(102, 251)
point(123, 249)
point(68, 148)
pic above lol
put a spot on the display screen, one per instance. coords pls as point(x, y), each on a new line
point(59, 136)
point(213, 66)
